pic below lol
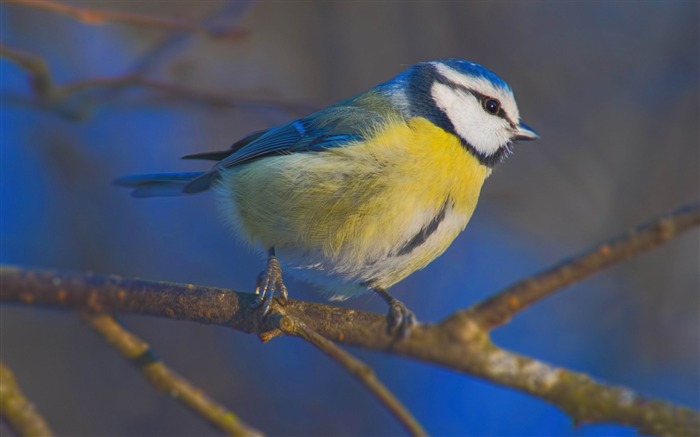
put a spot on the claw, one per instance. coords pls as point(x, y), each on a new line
point(400, 320)
point(269, 283)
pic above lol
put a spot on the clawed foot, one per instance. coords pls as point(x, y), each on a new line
point(269, 283)
point(400, 320)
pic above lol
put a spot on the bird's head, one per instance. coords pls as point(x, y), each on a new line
point(466, 100)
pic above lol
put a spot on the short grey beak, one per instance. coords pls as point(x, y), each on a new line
point(525, 133)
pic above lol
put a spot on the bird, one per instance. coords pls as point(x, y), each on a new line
point(357, 196)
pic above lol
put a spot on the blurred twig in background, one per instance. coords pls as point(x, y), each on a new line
point(16, 410)
point(164, 379)
point(60, 98)
point(77, 99)
point(461, 342)
point(97, 17)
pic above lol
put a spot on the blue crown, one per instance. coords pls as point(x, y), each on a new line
point(473, 69)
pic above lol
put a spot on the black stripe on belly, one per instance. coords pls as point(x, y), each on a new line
point(425, 232)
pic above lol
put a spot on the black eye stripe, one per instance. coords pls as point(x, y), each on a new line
point(479, 96)
point(483, 98)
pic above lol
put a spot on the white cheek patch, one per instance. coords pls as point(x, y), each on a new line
point(483, 86)
point(485, 132)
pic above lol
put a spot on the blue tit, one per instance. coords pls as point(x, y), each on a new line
point(357, 196)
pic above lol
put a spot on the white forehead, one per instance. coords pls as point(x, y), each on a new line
point(483, 86)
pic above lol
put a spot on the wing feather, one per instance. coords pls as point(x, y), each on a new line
point(336, 126)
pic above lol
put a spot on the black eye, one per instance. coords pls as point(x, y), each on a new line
point(492, 106)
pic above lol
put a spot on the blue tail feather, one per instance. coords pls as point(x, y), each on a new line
point(158, 184)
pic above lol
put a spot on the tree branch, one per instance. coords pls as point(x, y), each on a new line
point(501, 307)
point(16, 409)
point(164, 379)
point(464, 347)
point(461, 343)
point(358, 369)
point(98, 17)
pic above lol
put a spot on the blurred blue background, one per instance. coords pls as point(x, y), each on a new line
point(612, 87)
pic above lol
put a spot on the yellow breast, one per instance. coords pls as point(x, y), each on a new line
point(351, 212)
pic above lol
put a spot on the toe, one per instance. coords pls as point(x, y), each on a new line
point(262, 289)
point(282, 290)
point(268, 284)
point(400, 319)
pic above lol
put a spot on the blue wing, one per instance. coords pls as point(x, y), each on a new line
point(336, 126)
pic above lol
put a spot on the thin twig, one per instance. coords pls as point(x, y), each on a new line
point(47, 94)
point(358, 369)
point(98, 17)
point(39, 75)
point(164, 379)
point(499, 308)
point(16, 409)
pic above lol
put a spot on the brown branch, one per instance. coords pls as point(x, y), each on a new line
point(164, 379)
point(499, 308)
point(48, 94)
point(16, 409)
point(459, 343)
point(358, 369)
point(98, 17)
point(464, 347)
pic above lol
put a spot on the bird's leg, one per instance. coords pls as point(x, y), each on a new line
point(270, 282)
point(400, 319)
